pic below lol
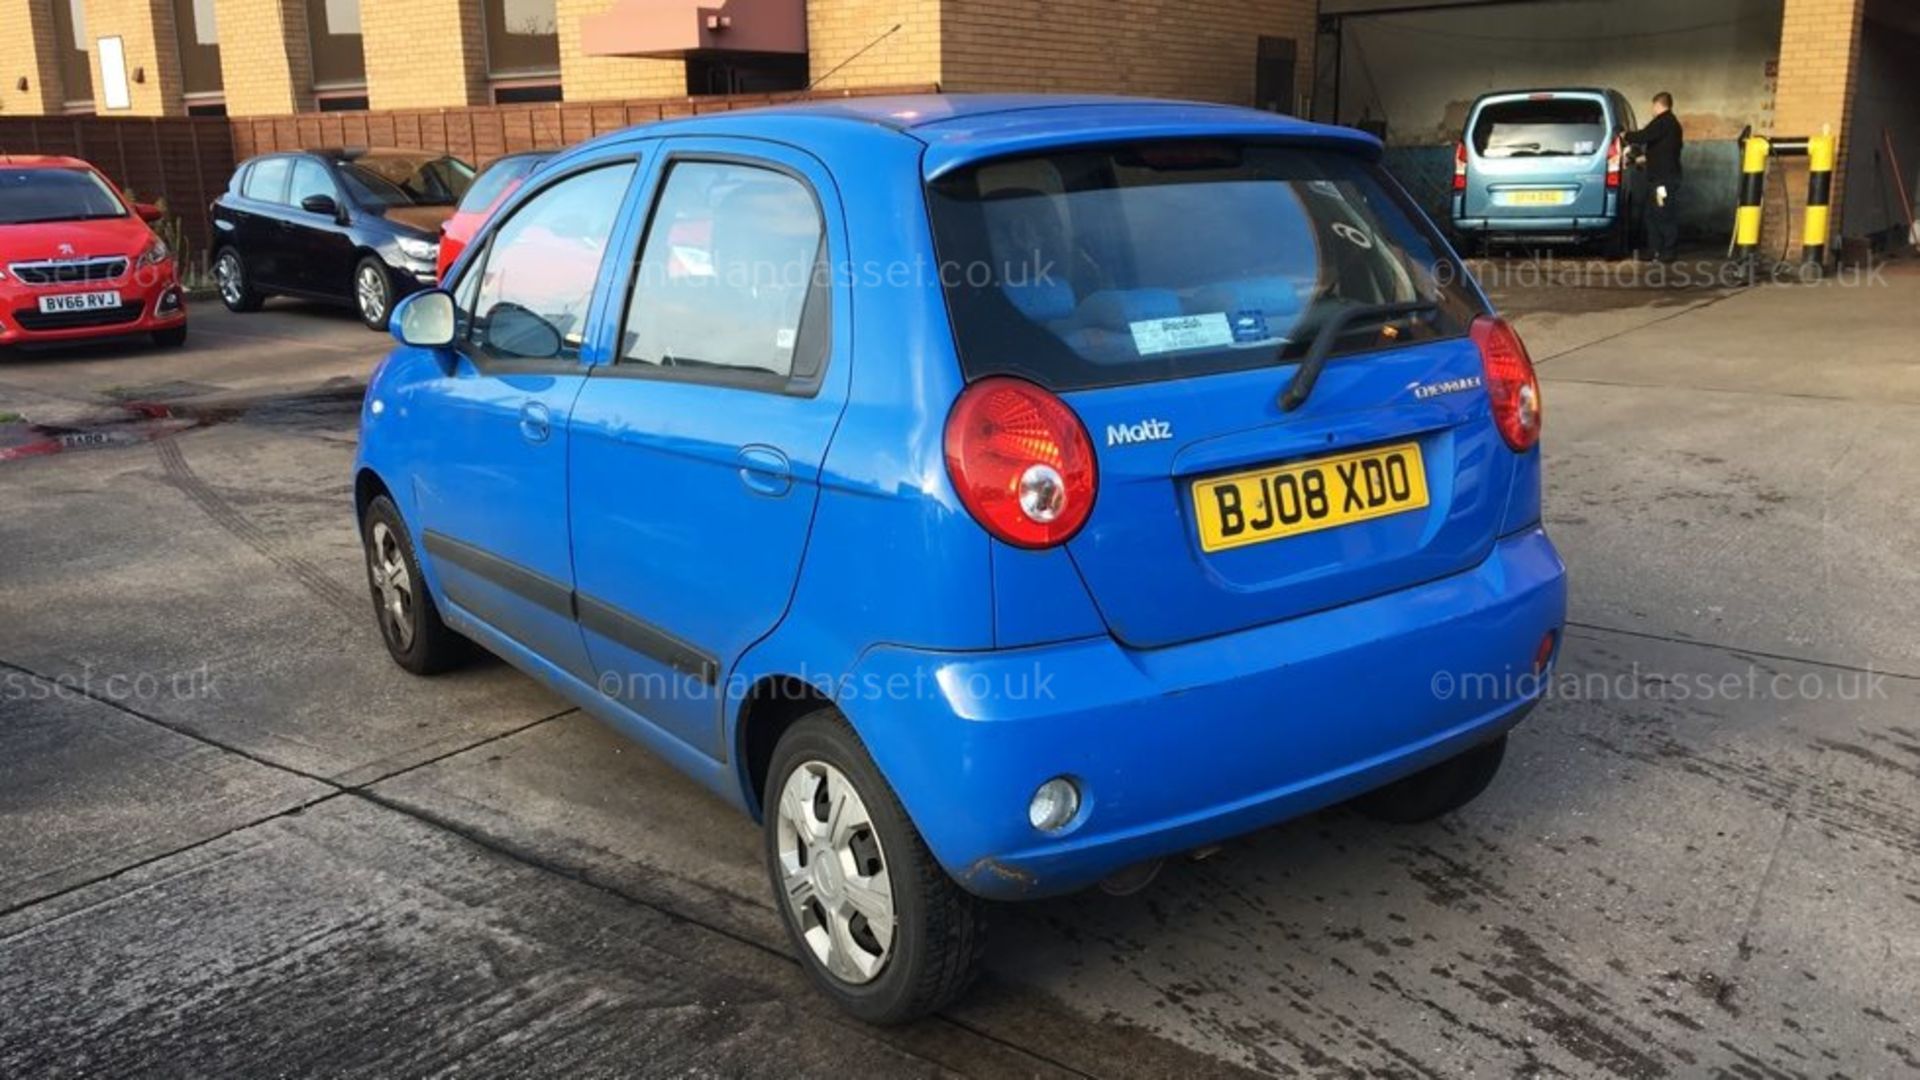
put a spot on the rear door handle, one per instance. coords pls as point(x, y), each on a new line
point(536, 422)
point(765, 470)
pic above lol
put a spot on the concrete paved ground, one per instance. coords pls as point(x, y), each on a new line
point(233, 836)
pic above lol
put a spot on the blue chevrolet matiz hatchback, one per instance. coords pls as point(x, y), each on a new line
point(989, 495)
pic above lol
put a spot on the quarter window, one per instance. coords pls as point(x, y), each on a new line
point(267, 180)
point(731, 282)
point(529, 300)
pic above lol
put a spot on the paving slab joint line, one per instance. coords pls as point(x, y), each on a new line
point(1736, 650)
point(362, 792)
point(1702, 306)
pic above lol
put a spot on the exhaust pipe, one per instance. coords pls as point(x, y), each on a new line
point(1132, 879)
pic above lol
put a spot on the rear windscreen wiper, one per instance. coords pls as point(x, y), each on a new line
point(1298, 390)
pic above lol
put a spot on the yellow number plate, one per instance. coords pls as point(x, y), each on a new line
point(1536, 198)
point(1287, 500)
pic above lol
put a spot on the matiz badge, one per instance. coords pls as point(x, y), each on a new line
point(1144, 431)
point(1423, 391)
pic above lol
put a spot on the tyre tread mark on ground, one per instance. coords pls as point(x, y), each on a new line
point(223, 514)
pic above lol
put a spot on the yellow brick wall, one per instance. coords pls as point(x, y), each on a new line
point(839, 29)
point(1145, 47)
point(145, 28)
point(29, 55)
point(1819, 63)
point(424, 54)
point(265, 62)
point(608, 78)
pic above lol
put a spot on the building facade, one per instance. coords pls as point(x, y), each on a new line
point(270, 57)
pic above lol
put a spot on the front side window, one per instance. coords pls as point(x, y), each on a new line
point(309, 179)
point(528, 295)
point(1540, 127)
point(267, 180)
point(730, 280)
point(1130, 264)
point(36, 195)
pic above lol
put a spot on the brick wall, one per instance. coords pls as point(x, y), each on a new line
point(265, 62)
point(30, 55)
point(424, 53)
point(1819, 64)
point(145, 28)
point(839, 29)
point(1147, 47)
point(609, 78)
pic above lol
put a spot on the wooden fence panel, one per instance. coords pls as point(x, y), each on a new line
point(480, 133)
point(179, 161)
point(186, 161)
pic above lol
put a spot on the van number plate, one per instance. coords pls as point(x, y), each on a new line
point(1287, 500)
point(1537, 198)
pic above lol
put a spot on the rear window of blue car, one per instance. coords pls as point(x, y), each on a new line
point(1540, 127)
point(1116, 265)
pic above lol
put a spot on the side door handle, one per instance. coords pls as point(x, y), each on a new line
point(536, 422)
point(765, 470)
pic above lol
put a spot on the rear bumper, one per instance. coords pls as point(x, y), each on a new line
point(1184, 746)
point(144, 308)
point(1526, 226)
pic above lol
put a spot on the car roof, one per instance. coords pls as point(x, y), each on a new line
point(960, 128)
point(1596, 91)
point(42, 161)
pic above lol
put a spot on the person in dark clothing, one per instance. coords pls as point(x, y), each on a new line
point(1661, 141)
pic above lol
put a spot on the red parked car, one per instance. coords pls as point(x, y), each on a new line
point(78, 260)
point(497, 181)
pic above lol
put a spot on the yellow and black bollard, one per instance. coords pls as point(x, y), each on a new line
point(1753, 186)
point(1821, 151)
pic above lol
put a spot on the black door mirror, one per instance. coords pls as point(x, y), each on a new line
point(320, 204)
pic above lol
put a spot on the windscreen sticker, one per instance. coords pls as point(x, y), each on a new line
point(1249, 326)
point(1181, 333)
point(1585, 146)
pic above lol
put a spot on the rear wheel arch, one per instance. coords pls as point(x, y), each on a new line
point(774, 704)
point(367, 486)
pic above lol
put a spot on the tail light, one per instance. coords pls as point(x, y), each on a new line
point(1021, 461)
point(1613, 163)
point(1460, 166)
point(1512, 385)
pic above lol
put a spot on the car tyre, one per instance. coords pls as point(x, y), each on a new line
point(1437, 790)
point(171, 338)
point(403, 606)
point(235, 284)
point(373, 292)
point(838, 843)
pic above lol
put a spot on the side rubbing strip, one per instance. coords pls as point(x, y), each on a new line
point(539, 589)
point(616, 625)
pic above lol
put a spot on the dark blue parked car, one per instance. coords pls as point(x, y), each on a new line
point(987, 494)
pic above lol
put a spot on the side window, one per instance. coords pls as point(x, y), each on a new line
point(309, 178)
point(731, 283)
point(527, 296)
point(267, 180)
